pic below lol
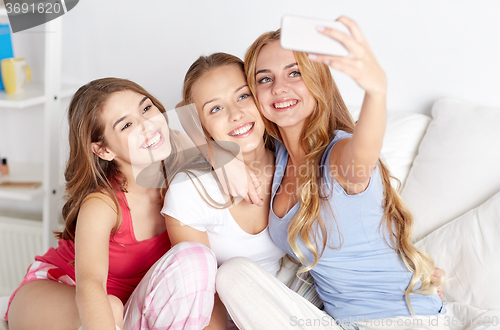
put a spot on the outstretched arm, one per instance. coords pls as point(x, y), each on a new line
point(356, 157)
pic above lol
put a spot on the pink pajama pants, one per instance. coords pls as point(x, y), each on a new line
point(176, 293)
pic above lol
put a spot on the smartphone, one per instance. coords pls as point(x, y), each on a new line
point(301, 34)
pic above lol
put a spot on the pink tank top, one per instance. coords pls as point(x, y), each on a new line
point(129, 259)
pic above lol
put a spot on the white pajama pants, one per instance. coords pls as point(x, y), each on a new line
point(257, 300)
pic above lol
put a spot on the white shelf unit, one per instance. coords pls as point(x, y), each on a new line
point(34, 94)
point(49, 95)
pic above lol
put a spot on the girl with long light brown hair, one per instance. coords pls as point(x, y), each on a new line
point(114, 249)
point(332, 206)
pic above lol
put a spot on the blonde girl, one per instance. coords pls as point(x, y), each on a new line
point(332, 206)
point(115, 238)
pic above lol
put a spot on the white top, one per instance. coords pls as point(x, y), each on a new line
point(227, 240)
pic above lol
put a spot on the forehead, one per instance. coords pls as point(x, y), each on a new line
point(120, 102)
point(217, 82)
point(272, 56)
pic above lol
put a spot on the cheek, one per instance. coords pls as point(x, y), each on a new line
point(260, 94)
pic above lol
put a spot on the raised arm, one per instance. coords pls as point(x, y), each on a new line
point(96, 219)
point(356, 157)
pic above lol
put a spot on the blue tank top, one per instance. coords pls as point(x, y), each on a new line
point(364, 278)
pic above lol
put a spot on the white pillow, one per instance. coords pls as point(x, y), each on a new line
point(458, 164)
point(468, 249)
point(403, 134)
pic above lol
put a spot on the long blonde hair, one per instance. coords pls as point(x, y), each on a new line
point(330, 114)
point(85, 172)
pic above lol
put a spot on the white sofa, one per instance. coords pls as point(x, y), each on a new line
point(449, 166)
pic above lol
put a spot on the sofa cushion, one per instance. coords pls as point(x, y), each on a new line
point(458, 164)
point(468, 249)
point(404, 132)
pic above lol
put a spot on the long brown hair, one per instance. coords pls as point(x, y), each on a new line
point(330, 114)
point(85, 172)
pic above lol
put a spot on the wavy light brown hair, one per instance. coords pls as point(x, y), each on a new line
point(85, 172)
point(330, 114)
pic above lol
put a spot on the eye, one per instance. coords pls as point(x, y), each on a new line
point(264, 80)
point(244, 96)
point(146, 109)
point(215, 109)
point(127, 125)
point(295, 74)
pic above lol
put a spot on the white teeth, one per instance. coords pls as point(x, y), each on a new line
point(241, 130)
point(154, 140)
point(285, 104)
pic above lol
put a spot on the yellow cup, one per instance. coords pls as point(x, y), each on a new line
point(15, 74)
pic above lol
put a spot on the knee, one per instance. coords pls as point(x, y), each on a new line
point(234, 271)
point(193, 261)
point(117, 309)
point(195, 253)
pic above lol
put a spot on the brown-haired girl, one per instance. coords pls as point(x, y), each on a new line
point(115, 238)
point(332, 205)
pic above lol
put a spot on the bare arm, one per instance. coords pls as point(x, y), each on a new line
point(96, 219)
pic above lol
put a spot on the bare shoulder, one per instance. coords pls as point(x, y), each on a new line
point(344, 171)
point(98, 207)
point(335, 155)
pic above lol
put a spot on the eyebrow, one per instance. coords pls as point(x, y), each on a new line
point(123, 118)
point(215, 99)
point(291, 65)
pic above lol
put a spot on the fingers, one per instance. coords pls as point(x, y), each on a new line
point(253, 197)
point(353, 28)
point(352, 45)
point(437, 275)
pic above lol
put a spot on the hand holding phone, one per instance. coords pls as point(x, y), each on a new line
point(301, 34)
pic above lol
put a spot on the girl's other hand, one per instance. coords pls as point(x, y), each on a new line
point(239, 180)
point(360, 64)
point(436, 277)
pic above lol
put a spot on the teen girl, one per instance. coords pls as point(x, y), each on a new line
point(114, 231)
point(196, 209)
point(332, 205)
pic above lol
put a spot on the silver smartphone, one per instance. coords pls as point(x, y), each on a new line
point(301, 34)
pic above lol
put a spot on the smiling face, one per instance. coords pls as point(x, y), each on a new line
point(226, 108)
point(282, 93)
point(136, 132)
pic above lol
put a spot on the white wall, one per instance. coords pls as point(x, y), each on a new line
point(428, 48)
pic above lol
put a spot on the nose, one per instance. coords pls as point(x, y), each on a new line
point(147, 127)
point(280, 85)
point(235, 113)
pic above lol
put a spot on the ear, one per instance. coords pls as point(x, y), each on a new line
point(102, 152)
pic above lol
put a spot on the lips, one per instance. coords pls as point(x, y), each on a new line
point(242, 130)
point(153, 141)
point(285, 104)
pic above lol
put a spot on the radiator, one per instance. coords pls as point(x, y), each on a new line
point(20, 242)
